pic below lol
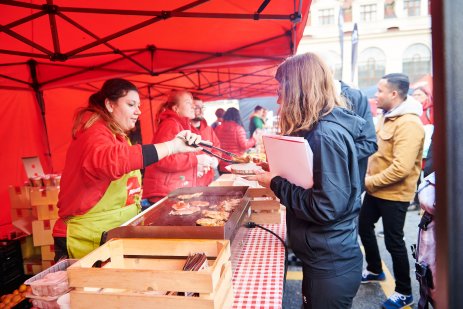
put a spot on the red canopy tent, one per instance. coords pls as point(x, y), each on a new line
point(55, 52)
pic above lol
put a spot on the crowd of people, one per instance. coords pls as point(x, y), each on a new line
point(102, 187)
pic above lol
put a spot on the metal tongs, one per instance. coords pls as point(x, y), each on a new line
point(231, 154)
point(204, 144)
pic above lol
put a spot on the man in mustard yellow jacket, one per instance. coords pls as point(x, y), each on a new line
point(391, 183)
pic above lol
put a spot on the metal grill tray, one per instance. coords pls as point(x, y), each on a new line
point(156, 222)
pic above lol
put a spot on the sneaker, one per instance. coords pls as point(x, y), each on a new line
point(368, 276)
point(397, 301)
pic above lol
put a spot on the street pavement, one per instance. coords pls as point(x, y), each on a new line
point(370, 295)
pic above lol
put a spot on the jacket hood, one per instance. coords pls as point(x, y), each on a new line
point(409, 106)
point(349, 121)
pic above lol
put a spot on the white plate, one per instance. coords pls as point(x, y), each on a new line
point(248, 168)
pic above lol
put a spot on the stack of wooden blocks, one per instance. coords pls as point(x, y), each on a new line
point(36, 206)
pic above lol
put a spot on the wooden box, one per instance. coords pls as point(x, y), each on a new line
point(265, 206)
point(42, 232)
point(139, 272)
point(44, 196)
point(19, 197)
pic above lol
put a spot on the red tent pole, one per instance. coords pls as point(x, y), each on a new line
point(39, 96)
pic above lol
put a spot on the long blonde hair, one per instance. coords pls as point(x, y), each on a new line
point(307, 92)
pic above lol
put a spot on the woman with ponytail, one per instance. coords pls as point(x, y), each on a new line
point(101, 181)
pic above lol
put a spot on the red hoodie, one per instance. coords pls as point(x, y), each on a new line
point(428, 113)
point(232, 137)
point(95, 158)
point(164, 176)
point(207, 133)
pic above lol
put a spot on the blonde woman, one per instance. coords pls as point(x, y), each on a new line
point(179, 169)
point(322, 220)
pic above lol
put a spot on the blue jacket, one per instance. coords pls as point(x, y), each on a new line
point(322, 220)
point(358, 102)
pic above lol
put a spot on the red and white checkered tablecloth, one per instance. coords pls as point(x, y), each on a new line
point(259, 275)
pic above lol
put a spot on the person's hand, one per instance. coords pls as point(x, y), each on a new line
point(204, 164)
point(264, 165)
point(186, 141)
point(263, 178)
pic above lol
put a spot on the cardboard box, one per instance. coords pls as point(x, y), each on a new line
point(46, 212)
point(47, 264)
point(42, 232)
point(44, 196)
point(33, 265)
point(23, 213)
point(19, 197)
point(48, 252)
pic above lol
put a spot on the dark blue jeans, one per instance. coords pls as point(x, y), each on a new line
point(393, 214)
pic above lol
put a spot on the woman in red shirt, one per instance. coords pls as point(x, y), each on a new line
point(232, 136)
point(172, 172)
point(101, 181)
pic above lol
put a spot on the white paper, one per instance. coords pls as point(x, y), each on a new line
point(291, 158)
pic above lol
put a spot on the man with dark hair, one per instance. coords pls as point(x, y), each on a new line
point(256, 121)
point(390, 184)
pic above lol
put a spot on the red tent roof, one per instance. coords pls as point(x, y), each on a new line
point(183, 43)
point(53, 52)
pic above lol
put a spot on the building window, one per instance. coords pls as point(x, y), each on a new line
point(371, 67)
point(326, 16)
point(412, 7)
point(389, 9)
point(417, 62)
point(368, 12)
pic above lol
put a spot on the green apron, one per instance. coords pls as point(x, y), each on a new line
point(120, 203)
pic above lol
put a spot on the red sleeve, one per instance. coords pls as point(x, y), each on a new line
point(105, 156)
point(167, 130)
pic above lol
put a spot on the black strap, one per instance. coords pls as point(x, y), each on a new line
point(424, 277)
point(425, 220)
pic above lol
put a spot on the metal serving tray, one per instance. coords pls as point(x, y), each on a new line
point(155, 222)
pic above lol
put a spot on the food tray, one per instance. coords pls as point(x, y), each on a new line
point(148, 268)
point(51, 288)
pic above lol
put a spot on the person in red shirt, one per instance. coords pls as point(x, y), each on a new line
point(174, 171)
point(425, 98)
point(232, 136)
point(101, 181)
point(207, 133)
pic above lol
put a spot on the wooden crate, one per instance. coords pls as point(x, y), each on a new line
point(138, 267)
point(265, 206)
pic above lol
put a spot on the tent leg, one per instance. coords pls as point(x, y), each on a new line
point(39, 96)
